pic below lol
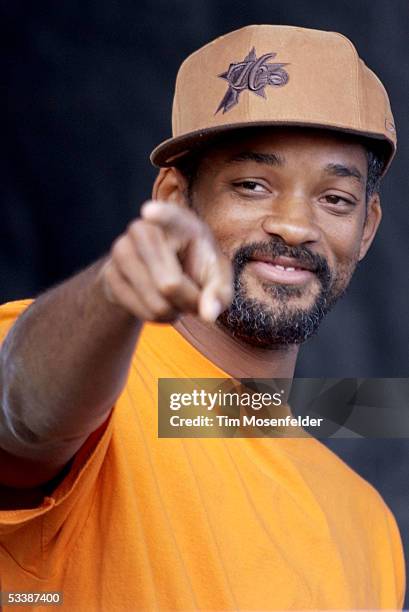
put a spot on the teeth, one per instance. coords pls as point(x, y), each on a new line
point(290, 269)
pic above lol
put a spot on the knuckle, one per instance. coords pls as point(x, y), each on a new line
point(161, 311)
point(143, 230)
point(136, 227)
point(120, 250)
point(170, 285)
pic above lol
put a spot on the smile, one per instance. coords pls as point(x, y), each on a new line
point(280, 271)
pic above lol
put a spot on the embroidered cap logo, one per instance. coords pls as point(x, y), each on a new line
point(252, 74)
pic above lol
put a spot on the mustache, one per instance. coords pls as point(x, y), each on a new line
point(277, 248)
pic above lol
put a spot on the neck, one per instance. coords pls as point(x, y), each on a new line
point(235, 357)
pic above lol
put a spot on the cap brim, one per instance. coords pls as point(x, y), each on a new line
point(172, 151)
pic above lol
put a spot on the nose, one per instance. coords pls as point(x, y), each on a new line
point(292, 219)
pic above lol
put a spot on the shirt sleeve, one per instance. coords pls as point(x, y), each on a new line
point(27, 534)
point(398, 557)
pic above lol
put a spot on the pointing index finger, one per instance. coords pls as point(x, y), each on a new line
point(204, 263)
point(217, 292)
point(171, 217)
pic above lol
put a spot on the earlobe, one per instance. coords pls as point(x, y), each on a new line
point(372, 221)
point(170, 186)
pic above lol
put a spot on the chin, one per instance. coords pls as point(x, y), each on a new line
point(275, 315)
point(290, 297)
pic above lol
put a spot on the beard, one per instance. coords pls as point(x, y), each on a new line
point(267, 326)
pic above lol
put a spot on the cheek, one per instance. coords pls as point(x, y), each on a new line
point(344, 246)
point(229, 231)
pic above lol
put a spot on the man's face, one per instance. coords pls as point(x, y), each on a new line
point(288, 208)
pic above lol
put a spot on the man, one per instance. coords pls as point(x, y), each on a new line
point(266, 200)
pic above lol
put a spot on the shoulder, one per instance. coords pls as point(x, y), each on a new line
point(9, 312)
point(330, 475)
point(353, 508)
point(360, 515)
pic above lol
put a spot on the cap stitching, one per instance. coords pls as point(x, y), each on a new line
point(211, 43)
point(356, 80)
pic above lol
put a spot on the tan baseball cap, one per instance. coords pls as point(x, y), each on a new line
point(267, 75)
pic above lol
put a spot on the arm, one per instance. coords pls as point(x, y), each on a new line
point(66, 359)
point(63, 364)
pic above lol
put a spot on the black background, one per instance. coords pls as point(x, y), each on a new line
point(88, 89)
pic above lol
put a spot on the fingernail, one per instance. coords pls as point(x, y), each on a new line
point(150, 207)
point(213, 309)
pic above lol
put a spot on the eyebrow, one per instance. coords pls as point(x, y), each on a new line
point(274, 159)
point(341, 170)
point(271, 159)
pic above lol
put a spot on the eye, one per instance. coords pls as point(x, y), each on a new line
point(337, 200)
point(253, 186)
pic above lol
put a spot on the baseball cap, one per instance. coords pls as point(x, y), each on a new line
point(273, 75)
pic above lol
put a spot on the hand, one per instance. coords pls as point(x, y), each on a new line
point(168, 263)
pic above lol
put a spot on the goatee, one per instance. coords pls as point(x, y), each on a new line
point(259, 324)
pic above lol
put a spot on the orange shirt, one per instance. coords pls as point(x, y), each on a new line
point(142, 523)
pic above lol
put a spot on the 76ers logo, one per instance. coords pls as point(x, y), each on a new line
point(252, 74)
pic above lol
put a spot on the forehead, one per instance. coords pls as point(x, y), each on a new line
point(315, 146)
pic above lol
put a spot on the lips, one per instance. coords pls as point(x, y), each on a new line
point(281, 269)
point(285, 263)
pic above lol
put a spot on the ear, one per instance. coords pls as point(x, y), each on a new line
point(372, 221)
point(170, 186)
